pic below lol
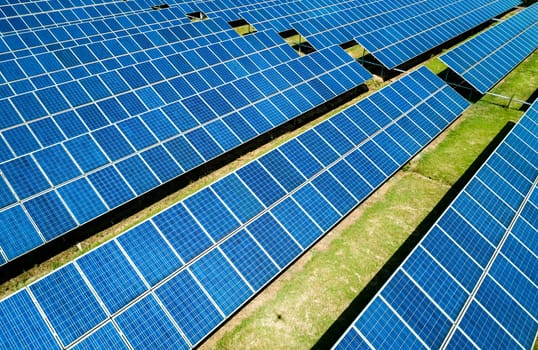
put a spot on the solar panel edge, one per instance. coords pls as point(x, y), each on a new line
point(419, 244)
point(449, 59)
point(137, 153)
point(171, 276)
point(485, 273)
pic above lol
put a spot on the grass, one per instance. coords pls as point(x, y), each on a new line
point(357, 51)
point(245, 29)
point(297, 309)
point(436, 65)
point(104, 236)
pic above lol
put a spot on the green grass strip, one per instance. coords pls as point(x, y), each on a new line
point(296, 310)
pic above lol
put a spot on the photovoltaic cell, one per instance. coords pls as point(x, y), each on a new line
point(249, 259)
point(70, 320)
point(162, 97)
point(146, 326)
point(221, 280)
point(17, 232)
point(392, 32)
point(105, 337)
point(183, 232)
point(190, 307)
point(112, 276)
point(149, 252)
point(207, 255)
point(484, 60)
point(481, 278)
point(19, 316)
point(50, 214)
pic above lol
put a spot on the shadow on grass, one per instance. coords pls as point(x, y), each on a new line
point(460, 85)
point(363, 298)
point(60, 244)
point(530, 100)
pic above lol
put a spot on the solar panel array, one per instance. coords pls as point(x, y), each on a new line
point(281, 16)
point(104, 115)
point(232, 11)
point(471, 282)
point(168, 282)
point(23, 16)
point(395, 32)
point(484, 60)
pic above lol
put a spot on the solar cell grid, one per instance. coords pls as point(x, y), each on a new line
point(20, 18)
point(232, 11)
point(395, 33)
point(146, 133)
point(149, 66)
point(475, 263)
point(145, 325)
point(486, 59)
point(281, 16)
point(106, 336)
point(218, 273)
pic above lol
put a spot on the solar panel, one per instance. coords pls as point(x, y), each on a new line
point(165, 22)
point(187, 269)
point(233, 11)
point(398, 32)
point(136, 111)
point(24, 16)
point(281, 16)
point(471, 281)
point(484, 60)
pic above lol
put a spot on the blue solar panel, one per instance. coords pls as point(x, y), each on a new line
point(398, 295)
point(238, 197)
point(391, 331)
point(274, 239)
point(25, 177)
point(194, 311)
point(484, 60)
point(160, 98)
point(209, 253)
point(249, 258)
point(334, 192)
point(149, 252)
point(19, 315)
point(69, 319)
point(397, 31)
point(106, 337)
point(147, 326)
point(211, 213)
point(221, 281)
point(181, 230)
point(17, 234)
point(82, 200)
point(112, 276)
point(50, 215)
point(472, 279)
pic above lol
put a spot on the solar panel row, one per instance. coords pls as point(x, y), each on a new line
point(172, 279)
point(281, 16)
point(62, 65)
point(471, 282)
point(27, 16)
point(64, 36)
point(231, 10)
point(394, 35)
point(484, 60)
point(144, 118)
